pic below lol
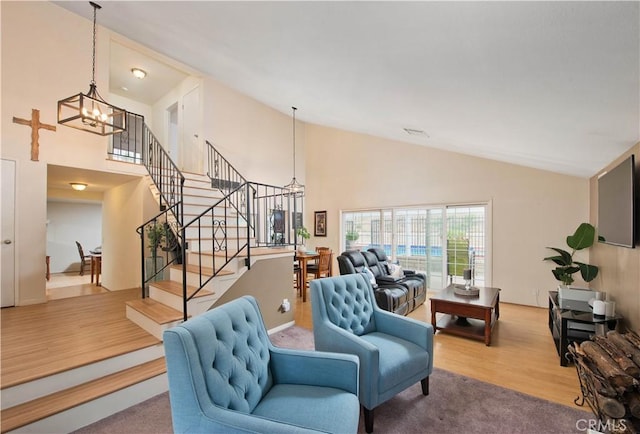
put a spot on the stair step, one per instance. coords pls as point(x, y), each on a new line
point(175, 288)
point(158, 312)
point(255, 251)
point(40, 408)
point(206, 271)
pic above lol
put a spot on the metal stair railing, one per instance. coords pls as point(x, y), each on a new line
point(260, 213)
point(159, 232)
point(165, 175)
point(222, 174)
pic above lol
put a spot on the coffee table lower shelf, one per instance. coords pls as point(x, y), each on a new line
point(461, 326)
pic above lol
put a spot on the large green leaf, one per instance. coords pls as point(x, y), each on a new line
point(583, 237)
point(563, 259)
point(588, 272)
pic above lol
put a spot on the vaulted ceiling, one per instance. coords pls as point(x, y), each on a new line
point(550, 85)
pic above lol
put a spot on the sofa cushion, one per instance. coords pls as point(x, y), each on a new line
point(319, 408)
point(397, 357)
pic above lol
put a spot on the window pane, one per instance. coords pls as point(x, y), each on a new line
point(466, 243)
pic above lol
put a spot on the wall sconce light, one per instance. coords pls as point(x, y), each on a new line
point(79, 186)
point(138, 73)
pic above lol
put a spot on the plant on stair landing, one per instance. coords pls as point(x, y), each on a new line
point(583, 238)
point(156, 234)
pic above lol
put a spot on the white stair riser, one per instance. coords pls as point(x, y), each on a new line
point(201, 190)
point(217, 285)
point(233, 227)
point(92, 411)
point(201, 200)
point(21, 393)
point(207, 245)
point(150, 326)
point(175, 301)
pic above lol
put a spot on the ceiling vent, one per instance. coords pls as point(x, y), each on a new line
point(415, 132)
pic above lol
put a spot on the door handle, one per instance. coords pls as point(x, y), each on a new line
point(7, 241)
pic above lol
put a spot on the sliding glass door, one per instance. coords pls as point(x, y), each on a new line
point(440, 242)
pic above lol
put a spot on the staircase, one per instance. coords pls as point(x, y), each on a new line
point(216, 226)
point(162, 308)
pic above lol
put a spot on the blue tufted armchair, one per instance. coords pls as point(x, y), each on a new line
point(394, 351)
point(226, 376)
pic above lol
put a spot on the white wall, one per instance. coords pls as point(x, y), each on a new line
point(530, 208)
point(46, 57)
point(256, 139)
point(68, 222)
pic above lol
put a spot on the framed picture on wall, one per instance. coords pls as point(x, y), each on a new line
point(320, 224)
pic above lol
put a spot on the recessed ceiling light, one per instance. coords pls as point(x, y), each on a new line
point(415, 132)
point(78, 186)
point(125, 88)
point(138, 73)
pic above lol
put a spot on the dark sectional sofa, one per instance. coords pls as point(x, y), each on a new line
point(400, 295)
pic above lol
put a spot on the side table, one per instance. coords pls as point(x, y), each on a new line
point(574, 321)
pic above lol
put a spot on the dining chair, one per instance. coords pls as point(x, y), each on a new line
point(323, 266)
point(84, 259)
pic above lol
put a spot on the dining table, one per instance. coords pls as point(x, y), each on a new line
point(303, 258)
point(96, 266)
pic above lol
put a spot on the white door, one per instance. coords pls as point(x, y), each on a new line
point(172, 128)
point(8, 232)
point(192, 155)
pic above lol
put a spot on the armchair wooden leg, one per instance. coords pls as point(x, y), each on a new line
point(425, 385)
point(368, 419)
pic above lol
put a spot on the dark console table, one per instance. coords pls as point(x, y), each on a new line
point(574, 321)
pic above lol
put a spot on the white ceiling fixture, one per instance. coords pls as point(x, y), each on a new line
point(138, 73)
point(550, 85)
point(78, 186)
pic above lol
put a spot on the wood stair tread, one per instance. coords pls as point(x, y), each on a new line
point(32, 411)
point(206, 271)
point(156, 311)
point(175, 288)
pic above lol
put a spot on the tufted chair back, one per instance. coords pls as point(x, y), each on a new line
point(229, 350)
point(348, 302)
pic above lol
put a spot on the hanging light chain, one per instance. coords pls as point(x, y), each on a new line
point(294, 142)
point(93, 58)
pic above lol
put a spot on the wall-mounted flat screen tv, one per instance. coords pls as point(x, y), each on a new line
point(617, 209)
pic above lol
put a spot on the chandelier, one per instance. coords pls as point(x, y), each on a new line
point(294, 187)
point(90, 112)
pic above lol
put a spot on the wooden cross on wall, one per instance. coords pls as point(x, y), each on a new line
point(35, 124)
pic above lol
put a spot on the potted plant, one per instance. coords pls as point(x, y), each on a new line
point(351, 237)
point(583, 238)
point(156, 235)
point(303, 233)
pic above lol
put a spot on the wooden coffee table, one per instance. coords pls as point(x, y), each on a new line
point(469, 316)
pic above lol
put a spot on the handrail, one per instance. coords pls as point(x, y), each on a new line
point(222, 174)
point(165, 174)
point(166, 231)
point(212, 222)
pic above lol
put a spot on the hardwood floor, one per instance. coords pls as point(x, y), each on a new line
point(39, 340)
point(521, 357)
point(44, 339)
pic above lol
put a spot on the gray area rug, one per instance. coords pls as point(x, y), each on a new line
point(456, 404)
